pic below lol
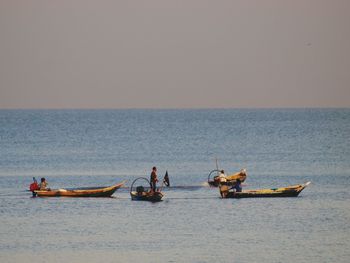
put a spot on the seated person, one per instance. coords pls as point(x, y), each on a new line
point(43, 184)
point(222, 176)
point(140, 190)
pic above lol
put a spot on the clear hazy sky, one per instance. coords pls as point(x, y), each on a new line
point(174, 54)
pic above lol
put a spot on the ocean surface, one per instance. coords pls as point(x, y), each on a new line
point(81, 148)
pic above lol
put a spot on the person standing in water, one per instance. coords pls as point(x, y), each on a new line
point(34, 186)
point(154, 179)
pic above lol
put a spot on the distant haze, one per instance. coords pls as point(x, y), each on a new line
point(174, 54)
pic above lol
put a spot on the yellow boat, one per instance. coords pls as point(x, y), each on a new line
point(230, 179)
point(80, 192)
point(289, 191)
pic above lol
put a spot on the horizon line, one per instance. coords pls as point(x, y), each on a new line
point(176, 108)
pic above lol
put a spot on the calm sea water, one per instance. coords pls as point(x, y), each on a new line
point(74, 148)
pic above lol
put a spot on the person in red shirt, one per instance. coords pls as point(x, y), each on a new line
point(34, 186)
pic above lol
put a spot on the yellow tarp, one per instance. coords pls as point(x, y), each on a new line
point(241, 175)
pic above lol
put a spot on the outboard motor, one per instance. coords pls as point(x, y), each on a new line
point(140, 189)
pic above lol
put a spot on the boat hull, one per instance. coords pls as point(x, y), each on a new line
point(289, 191)
point(93, 192)
point(214, 183)
point(146, 196)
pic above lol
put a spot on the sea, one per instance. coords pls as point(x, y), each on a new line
point(88, 148)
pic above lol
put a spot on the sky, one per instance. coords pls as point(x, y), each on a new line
point(174, 54)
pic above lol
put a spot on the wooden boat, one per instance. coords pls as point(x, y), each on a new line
point(289, 191)
point(141, 194)
point(80, 192)
point(230, 179)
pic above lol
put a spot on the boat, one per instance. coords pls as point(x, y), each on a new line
point(80, 192)
point(289, 191)
point(141, 193)
point(230, 179)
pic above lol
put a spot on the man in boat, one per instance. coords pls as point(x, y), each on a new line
point(222, 177)
point(43, 184)
point(154, 179)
